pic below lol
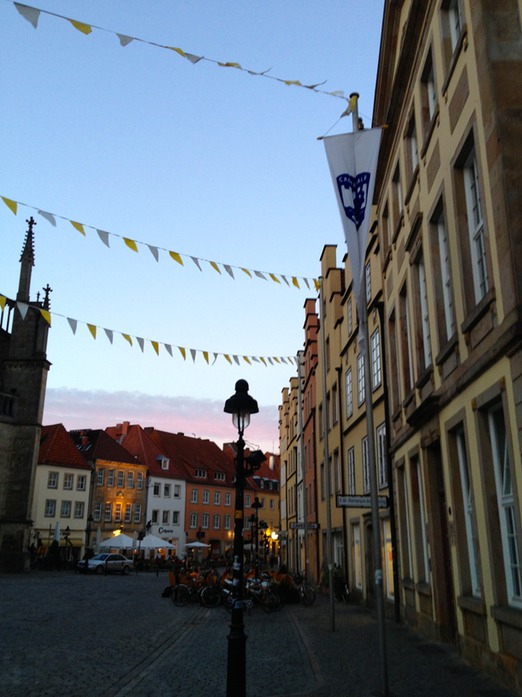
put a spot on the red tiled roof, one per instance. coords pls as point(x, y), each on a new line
point(138, 443)
point(57, 448)
point(97, 445)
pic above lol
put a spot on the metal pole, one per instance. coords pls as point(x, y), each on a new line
point(301, 453)
point(236, 659)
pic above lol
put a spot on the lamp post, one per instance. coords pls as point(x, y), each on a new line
point(256, 506)
point(241, 405)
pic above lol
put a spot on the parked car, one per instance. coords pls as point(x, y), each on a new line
point(105, 563)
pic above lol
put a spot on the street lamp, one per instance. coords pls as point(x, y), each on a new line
point(256, 506)
point(241, 405)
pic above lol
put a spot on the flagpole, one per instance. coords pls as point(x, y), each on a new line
point(370, 429)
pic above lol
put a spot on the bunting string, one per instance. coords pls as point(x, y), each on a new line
point(209, 357)
point(134, 245)
point(32, 15)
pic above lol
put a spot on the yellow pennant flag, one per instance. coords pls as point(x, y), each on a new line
point(293, 82)
point(155, 346)
point(205, 355)
point(228, 358)
point(215, 266)
point(176, 257)
point(247, 272)
point(274, 278)
point(183, 352)
point(127, 338)
point(2, 301)
point(295, 281)
point(178, 50)
point(131, 244)
point(12, 205)
point(230, 64)
point(92, 329)
point(317, 284)
point(77, 226)
point(262, 360)
point(84, 28)
point(247, 360)
point(46, 315)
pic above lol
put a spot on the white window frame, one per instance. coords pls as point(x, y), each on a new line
point(228, 499)
point(194, 496)
point(68, 481)
point(476, 229)
point(351, 471)
point(348, 380)
point(361, 387)
point(382, 460)
point(137, 512)
point(445, 272)
point(193, 520)
point(375, 349)
point(50, 508)
point(52, 480)
point(365, 465)
point(205, 521)
point(81, 482)
point(79, 509)
point(469, 512)
point(425, 319)
point(128, 512)
point(65, 509)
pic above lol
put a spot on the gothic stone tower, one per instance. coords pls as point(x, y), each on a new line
point(23, 376)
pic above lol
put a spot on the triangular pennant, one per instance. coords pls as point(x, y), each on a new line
point(255, 359)
point(155, 346)
point(22, 308)
point(274, 278)
point(317, 284)
point(3, 300)
point(285, 279)
point(127, 338)
point(49, 217)
point(46, 315)
point(276, 359)
point(183, 352)
point(247, 360)
point(124, 40)
point(306, 282)
point(92, 329)
point(180, 51)
point(81, 26)
point(260, 275)
point(228, 358)
point(270, 360)
point(141, 343)
point(110, 334)
point(230, 64)
point(247, 272)
point(293, 82)
point(168, 348)
point(295, 281)
point(73, 324)
point(228, 269)
point(236, 359)
point(192, 58)
point(193, 354)
point(131, 244)
point(205, 355)
point(215, 358)
point(12, 205)
point(196, 261)
point(154, 251)
point(104, 237)
point(176, 257)
point(31, 14)
point(77, 226)
point(215, 266)
point(262, 361)
point(283, 360)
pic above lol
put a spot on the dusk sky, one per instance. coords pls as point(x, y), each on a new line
point(159, 156)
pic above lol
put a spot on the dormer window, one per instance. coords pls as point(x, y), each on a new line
point(200, 473)
point(164, 461)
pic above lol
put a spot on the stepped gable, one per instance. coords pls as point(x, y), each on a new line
point(95, 444)
point(57, 448)
point(192, 454)
point(137, 441)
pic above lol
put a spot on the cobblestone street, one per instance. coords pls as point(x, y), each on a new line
point(106, 636)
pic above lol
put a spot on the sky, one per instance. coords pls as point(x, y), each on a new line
point(176, 155)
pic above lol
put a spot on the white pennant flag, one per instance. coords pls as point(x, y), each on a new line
point(22, 308)
point(31, 14)
point(49, 217)
point(352, 158)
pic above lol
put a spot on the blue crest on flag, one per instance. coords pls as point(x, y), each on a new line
point(358, 187)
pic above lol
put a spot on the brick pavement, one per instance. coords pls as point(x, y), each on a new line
point(95, 636)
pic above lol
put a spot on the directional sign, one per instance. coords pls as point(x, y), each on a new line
point(360, 501)
point(302, 526)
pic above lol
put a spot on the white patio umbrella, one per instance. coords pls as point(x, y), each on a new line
point(152, 542)
point(197, 545)
point(56, 537)
point(119, 542)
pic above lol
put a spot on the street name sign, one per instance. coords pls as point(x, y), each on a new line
point(360, 501)
point(302, 526)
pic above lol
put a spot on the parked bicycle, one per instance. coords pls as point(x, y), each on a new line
point(196, 589)
point(305, 589)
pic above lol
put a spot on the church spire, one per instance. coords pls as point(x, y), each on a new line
point(26, 262)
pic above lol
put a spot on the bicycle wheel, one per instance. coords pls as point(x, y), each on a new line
point(269, 600)
point(307, 594)
point(180, 595)
point(211, 596)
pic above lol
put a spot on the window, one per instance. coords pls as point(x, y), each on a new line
point(429, 95)
point(79, 508)
point(205, 518)
point(349, 393)
point(139, 482)
point(200, 473)
point(128, 512)
point(175, 517)
point(334, 405)
point(425, 347)
point(454, 22)
point(397, 197)
point(375, 349)
point(81, 482)
point(100, 476)
point(217, 498)
point(219, 476)
point(165, 462)
point(419, 521)
point(130, 480)
point(193, 520)
point(469, 513)
point(366, 466)
point(65, 511)
point(121, 479)
point(156, 488)
point(382, 460)
point(68, 481)
point(110, 478)
point(155, 516)
point(337, 472)
point(247, 501)
point(166, 491)
point(177, 491)
point(361, 389)
point(165, 517)
point(217, 522)
point(412, 148)
point(406, 355)
point(442, 278)
point(368, 282)
point(50, 508)
point(52, 480)
point(228, 499)
point(194, 496)
point(506, 499)
point(227, 521)
point(117, 512)
point(477, 239)
point(108, 513)
point(322, 482)
point(351, 471)
point(137, 512)
point(97, 513)
point(349, 313)
point(206, 497)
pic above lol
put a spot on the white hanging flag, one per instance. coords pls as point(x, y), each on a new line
point(352, 158)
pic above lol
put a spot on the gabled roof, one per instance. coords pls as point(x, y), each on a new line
point(58, 449)
point(139, 444)
point(191, 454)
point(97, 445)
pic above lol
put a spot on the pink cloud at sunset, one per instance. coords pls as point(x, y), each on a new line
point(202, 418)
